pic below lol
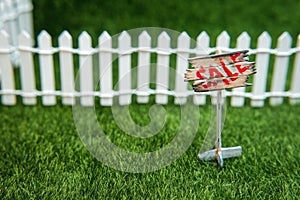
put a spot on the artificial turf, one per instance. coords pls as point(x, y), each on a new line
point(42, 157)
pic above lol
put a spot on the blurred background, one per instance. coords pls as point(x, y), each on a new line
point(192, 16)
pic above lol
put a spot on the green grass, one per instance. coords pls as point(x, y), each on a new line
point(42, 156)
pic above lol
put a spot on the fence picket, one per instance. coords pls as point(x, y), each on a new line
point(280, 67)
point(295, 86)
point(6, 69)
point(46, 68)
point(181, 65)
point(202, 49)
point(223, 42)
point(27, 70)
point(11, 23)
point(143, 68)
point(124, 68)
point(262, 63)
point(66, 67)
point(86, 69)
point(162, 72)
point(243, 42)
point(105, 71)
point(24, 9)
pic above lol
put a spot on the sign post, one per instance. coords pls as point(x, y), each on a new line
point(219, 72)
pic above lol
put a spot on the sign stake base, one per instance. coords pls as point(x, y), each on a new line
point(220, 153)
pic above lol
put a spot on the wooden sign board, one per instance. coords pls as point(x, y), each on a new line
point(220, 71)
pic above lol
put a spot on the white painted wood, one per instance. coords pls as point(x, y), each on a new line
point(24, 9)
point(124, 68)
point(262, 65)
point(143, 68)
point(280, 67)
point(46, 68)
point(86, 69)
point(66, 67)
point(183, 44)
point(106, 73)
point(202, 50)
point(223, 41)
point(6, 69)
point(27, 70)
point(162, 71)
point(243, 42)
point(12, 22)
point(295, 86)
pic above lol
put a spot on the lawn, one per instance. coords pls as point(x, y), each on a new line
point(42, 155)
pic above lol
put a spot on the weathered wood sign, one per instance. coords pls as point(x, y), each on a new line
point(220, 71)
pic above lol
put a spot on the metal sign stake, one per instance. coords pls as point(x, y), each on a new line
point(219, 129)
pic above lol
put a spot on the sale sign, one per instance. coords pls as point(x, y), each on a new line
point(220, 71)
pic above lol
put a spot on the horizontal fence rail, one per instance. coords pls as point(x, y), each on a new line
point(119, 68)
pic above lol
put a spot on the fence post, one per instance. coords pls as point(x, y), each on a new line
point(144, 68)
point(24, 8)
point(183, 45)
point(280, 67)
point(46, 68)
point(223, 41)
point(295, 86)
point(124, 84)
point(6, 69)
point(162, 71)
point(262, 63)
point(66, 67)
point(202, 49)
point(86, 69)
point(27, 69)
point(105, 71)
point(243, 42)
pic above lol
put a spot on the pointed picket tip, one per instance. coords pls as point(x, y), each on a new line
point(203, 40)
point(298, 40)
point(24, 38)
point(184, 35)
point(44, 39)
point(224, 35)
point(84, 36)
point(183, 40)
point(203, 36)
point(223, 39)
point(144, 36)
point(4, 38)
point(65, 35)
point(124, 36)
point(104, 40)
point(164, 36)
point(84, 40)
point(124, 40)
point(285, 35)
point(264, 37)
point(244, 36)
point(24, 34)
point(284, 41)
point(104, 37)
point(144, 39)
point(44, 35)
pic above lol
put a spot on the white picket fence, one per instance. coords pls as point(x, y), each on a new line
point(281, 86)
point(15, 16)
